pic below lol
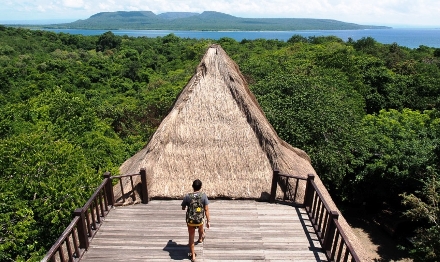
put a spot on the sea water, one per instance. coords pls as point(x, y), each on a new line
point(409, 37)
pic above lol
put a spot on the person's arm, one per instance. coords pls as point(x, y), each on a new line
point(184, 203)
point(208, 217)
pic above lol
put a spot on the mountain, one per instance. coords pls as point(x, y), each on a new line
point(123, 15)
point(207, 21)
point(176, 15)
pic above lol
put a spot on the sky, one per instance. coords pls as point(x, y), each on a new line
point(395, 13)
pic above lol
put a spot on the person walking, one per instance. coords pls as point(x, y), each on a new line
point(196, 205)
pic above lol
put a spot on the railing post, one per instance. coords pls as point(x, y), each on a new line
point(308, 196)
point(109, 189)
point(273, 189)
point(81, 227)
point(144, 186)
point(330, 232)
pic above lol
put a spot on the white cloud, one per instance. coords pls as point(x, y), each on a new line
point(415, 12)
point(73, 3)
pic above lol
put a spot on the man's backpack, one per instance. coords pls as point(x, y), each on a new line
point(195, 212)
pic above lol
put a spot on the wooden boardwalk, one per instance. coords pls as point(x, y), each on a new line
point(241, 230)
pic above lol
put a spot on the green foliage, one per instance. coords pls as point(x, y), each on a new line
point(107, 41)
point(317, 113)
point(399, 149)
point(297, 39)
point(43, 180)
point(310, 106)
point(73, 107)
point(18, 232)
point(68, 114)
point(425, 208)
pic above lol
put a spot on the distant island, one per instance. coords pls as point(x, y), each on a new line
point(206, 21)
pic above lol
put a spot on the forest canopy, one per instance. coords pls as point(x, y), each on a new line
point(74, 106)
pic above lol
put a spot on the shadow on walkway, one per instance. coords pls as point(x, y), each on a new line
point(176, 251)
point(308, 230)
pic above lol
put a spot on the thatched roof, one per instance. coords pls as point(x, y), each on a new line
point(217, 132)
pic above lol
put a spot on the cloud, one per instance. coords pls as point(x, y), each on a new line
point(77, 4)
point(417, 12)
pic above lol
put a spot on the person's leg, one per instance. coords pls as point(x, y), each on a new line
point(191, 233)
point(201, 234)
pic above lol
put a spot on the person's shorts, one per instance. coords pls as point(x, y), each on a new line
point(194, 225)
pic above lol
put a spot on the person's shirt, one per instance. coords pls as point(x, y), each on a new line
point(187, 200)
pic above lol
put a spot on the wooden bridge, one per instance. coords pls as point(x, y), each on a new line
point(241, 230)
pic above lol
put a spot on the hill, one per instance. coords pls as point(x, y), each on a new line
point(206, 21)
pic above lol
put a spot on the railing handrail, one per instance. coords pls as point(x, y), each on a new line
point(101, 199)
point(321, 197)
point(105, 188)
point(335, 220)
point(122, 176)
point(276, 175)
point(330, 225)
point(347, 243)
point(95, 194)
point(61, 239)
point(292, 176)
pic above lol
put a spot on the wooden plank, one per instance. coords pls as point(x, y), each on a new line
point(240, 231)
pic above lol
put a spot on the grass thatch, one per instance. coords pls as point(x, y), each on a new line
point(217, 132)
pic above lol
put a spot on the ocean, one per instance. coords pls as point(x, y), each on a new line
point(408, 37)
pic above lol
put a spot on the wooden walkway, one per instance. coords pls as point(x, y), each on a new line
point(241, 230)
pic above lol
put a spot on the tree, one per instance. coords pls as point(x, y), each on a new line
point(72, 107)
point(18, 232)
point(108, 40)
point(317, 113)
point(437, 52)
point(367, 45)
point(399, 147)
point(297, 39)
point(43, 180)
point(424, 206)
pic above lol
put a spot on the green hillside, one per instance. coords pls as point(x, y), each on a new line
point(207, 21)
point(73, 107)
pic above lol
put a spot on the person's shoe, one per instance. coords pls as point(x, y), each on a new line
point(191, 257)
point(201, 239)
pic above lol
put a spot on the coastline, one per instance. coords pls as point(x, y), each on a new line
point(406, 37)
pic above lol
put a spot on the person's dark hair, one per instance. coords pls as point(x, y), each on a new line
point(197, 184)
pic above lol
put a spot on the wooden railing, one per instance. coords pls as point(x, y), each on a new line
point(325, 222)
point(75, 239)
point(283, 180)
point(131, 193)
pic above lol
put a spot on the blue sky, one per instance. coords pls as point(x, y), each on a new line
point(397, 13)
